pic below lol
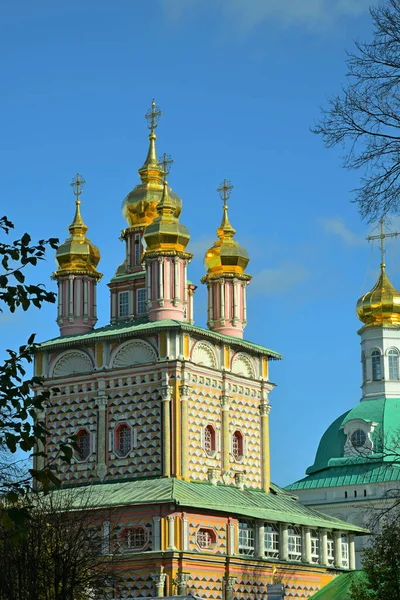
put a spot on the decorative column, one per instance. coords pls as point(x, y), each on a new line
point(337, 536)
point(306, 554)
point(101, 402)
point(231, 538)
point(265, 408)
point(352, 552)
point(229, 582)
point(159, 582)
point(183, 579)
point(323, 543)
point(225, 402)
point(185, 532)
point(184, 395)
point(166, 394)
point(284, 542)
point(171, 533)
point(260, 539)
point(156, 533)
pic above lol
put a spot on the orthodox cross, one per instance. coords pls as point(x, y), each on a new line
point(382, 236)
point(166, 161)
point(224, 190)
point(152, 116)
point(78, 182)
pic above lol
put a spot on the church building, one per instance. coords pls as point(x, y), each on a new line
point(357, 467)
point(171, 420)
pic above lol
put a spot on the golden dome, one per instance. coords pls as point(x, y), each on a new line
point(226, 256)
point(166, 233)
point(380, 306)
point(140, 205)
point(77, 254)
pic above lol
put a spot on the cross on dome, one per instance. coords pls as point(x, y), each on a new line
point(152, 116)
point(382, 236)
point(166, 161)
point(224, 190)
point(77, 183)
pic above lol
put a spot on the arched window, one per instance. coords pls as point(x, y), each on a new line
point(123, 440)
point(237, 445)
point(358, 438)
point(376, 365)
point(82, 444)
point(393, 356)
point(209, 439)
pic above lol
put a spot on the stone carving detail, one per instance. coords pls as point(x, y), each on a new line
point(138, 352)
point(203, 354)
point(243, 365)
point(71, 363)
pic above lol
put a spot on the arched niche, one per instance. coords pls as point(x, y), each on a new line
point(71, 363)
point(137, 352)
point(243, 365)
point(203, 354)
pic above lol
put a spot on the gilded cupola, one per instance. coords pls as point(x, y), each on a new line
point(226, 256)
point(77, 254)
point(380, 306)
point(166, 233)
point(140, 205)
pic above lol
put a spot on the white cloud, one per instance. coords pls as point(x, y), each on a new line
point(337, 226)
point(279, 280)
point(248, 14)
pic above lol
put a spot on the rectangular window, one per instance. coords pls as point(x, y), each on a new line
point(331, 551)
point(344, 544)
point(137, 249)
point(124, 304)
point(141, 301)
point(271, 540)
point(246, 538)
point(314, 546)
point(294, 543)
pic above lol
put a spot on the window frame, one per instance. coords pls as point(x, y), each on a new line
point(376, 360)
point(271, 540)
point(136, 252)
point(393, 353)
point(315, 546)
point(344, 551)
point(125, 304)
point(213, 538)
point(117, 429)
point(237, 435)
point(213, 439)
point(141, 301)
point(80, 458)
point(129, 529)
point(246, 538)
point(295, 540)
point(330, 549)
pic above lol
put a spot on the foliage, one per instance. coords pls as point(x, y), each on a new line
point(365, 117)
point(381, 565)
point(58, 554)
point(18, 406)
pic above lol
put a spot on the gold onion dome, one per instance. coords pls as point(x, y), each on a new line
point(226, 256)
point(139, 208)
point(77, 254)
point(380, 306)
point(166, 233)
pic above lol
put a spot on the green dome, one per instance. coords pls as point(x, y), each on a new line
point(385, 412)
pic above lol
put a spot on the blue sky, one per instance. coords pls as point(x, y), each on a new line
point(239, 84)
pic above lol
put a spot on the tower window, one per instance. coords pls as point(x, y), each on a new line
point(237, 445)
point(123, 439)
point(141, 301)
point(271, 540)
point(376, 365)
point(364, 367)
point(246, 538)
point(137, 249)
point(393, 356)
point(124, 304)
point(209, 439)
point(82, 444)
point(358, 438)
point(134, 538)
point(294, 543)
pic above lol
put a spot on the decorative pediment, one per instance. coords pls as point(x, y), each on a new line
point(137, 352)
point(243, 365)
point(72, 363)
point(203, 354)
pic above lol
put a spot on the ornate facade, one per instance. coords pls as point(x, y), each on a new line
point(171, 420)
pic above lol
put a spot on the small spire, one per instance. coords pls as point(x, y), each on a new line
point(225, 230)
point(152, 116)
point(77, 226)
point(382, 236)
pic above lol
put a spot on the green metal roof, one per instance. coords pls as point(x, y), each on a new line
point(141, 325)
point(128, 276)
point(362, 474)
point(275, 506)
point(339, 588)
